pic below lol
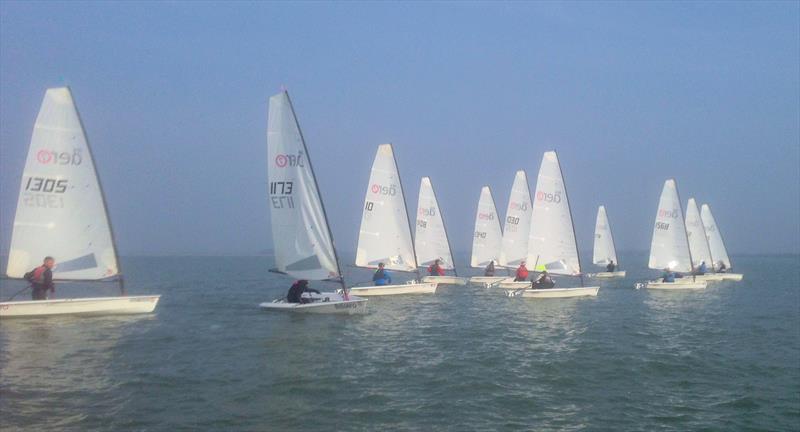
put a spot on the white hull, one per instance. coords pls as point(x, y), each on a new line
point(487, 281)
point(445, 280)
point(609, 275)
point(557, 292)
point(80, 306)
point(731, 276)
point(677, 285)
point(383, 290)
point(323, 303)
point(510, 284)
point(708, 277)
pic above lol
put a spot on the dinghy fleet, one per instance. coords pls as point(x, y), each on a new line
point(61, 212)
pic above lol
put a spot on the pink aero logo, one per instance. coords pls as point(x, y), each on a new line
point(384, 190)
point(284, 160)
point(53, 157)
point(519, 206)
point(427, 211)
point(486, 216)
point(668, 213)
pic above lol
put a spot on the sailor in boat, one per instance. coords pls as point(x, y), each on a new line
point(611, 266)
point(436, 269)
point(544, 281)
point(295, 294)
point(701, 269)
point(489, 271)
point(381, 276)
point(722, 267)
point(41, 279)
point(522, 273)
point(668, 276)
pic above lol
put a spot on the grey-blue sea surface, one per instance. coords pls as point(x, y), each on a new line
point(467, 358)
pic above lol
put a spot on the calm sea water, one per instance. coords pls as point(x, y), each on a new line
point(727, 358)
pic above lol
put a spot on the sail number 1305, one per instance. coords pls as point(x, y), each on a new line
point(281, 194)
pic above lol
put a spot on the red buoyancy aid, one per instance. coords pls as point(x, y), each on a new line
point(38, 275)
point(522, 272)
point(435, 270)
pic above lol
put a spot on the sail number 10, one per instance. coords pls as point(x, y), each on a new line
point(281, 194)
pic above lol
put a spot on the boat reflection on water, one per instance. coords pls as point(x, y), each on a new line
point(52, 370)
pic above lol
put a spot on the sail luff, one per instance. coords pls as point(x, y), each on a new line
point(514, 243)
point(715, 241)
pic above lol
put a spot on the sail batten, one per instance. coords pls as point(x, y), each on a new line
point(385, 233)
point(552, 244)
point(516, 228)
point(604, 249)
point(488, 236)
point(669, 247)
point(304, 246)
point(430, 235)
point(61, 209)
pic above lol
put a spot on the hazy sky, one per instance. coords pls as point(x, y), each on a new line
point(174, 100)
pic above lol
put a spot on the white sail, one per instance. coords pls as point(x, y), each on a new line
point(670, 247)
point(430, 236)
point(385, 235)
point(61, 211)
point(698, 243)
point(488, 237)
point(514, 246)
point(303, 243)
point(551, 244)
point(717, 246)
point(604, 250)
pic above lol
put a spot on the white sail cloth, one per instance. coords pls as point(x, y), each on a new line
point(488, 237)
point(698, 243)
point(552, 242)
point(61, 211)
point(670, 246)
point(430, 236)
point(385, 235)
point(604, 250)
point(717, 246)
point(303, 242)
point(514, 245)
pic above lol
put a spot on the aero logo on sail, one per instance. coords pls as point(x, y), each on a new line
point(60, 158)
point(519, 206)
point(668, 213)
point(427, 211)
point(384, 190)
point(283, 160)
point(486, 216)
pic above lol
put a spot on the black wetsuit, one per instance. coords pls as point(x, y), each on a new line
point(296, 292)
point(610, 267)
point(489, 270)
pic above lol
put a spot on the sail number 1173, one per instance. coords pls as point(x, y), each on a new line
point(281, 194)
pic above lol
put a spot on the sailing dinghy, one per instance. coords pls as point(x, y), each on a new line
point(604, 251)
point(430, 237)
point(486, 239)
point(670, 245)
point(303, 242)
point(514, 245)
point(385, 233)
point(552, 245)
point(717, 246)
point(698, 243)
point(61, 212)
